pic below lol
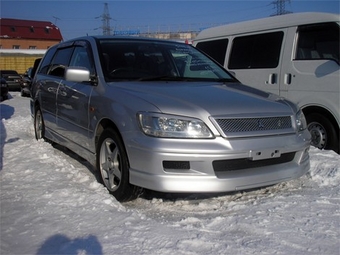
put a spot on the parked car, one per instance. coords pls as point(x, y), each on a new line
point(295, 56)
point(4, 89)
point(13, 79)
point(163, 116)
point(26, 82)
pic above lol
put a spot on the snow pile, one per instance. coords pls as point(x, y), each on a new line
point(51, 203)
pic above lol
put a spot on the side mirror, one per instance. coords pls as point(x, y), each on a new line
point(77, 74)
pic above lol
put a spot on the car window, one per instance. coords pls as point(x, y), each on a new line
point(60, 62)
point(46, 61)
point(256, 51)
point(82, 58)
point(215, 48)
point(143, 59)
point(319, 41)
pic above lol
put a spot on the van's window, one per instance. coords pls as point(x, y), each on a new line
point(215, 49)
point(256, 51)
point(320, 41)
point(60, 62)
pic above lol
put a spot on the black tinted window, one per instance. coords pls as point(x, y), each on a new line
point(215, 49)
point(46, 61)
point(319, 41)
point(256, 51)
point(60, 62)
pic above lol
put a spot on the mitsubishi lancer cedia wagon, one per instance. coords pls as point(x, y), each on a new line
point(163, 116)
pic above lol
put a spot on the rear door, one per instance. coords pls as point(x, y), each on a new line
point(255, 59)
point(49, 76)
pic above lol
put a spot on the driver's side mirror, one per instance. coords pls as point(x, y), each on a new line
point(77, 74)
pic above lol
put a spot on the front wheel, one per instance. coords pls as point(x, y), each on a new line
point(323, 133)
point(39, 126)
point(112, 162)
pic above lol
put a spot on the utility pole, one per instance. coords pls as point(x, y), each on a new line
point(280, 6)
point(106, 20)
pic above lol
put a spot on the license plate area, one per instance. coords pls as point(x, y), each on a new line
point(264, 154)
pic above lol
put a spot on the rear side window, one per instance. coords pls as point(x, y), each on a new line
point(60, 62)
point(215, 49)
point(256, 51)
point(319, 41)
point(46, 61)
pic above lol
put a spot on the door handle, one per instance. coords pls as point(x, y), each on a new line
point(272, 78)
point(288, 78)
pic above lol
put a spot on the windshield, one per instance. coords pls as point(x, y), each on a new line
point(150, 60)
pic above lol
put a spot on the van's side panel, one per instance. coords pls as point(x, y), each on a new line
point(310, 81)
point(264, 76)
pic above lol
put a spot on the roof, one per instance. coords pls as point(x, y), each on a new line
point(29, 29)
point(274, 22)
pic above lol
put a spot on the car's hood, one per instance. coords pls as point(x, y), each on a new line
point(214, 99)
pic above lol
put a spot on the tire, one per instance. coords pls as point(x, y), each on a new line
point(39, 126)
point(113, 165)
point(324, 135)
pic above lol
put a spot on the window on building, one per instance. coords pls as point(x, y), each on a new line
point(47, 30)
point(16, 47)
point(32, 29)
point(13, 29)
point(32, 47)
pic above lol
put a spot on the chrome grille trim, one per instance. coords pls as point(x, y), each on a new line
point(236, 127)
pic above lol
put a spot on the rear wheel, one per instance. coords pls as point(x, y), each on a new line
point(323, 132)
point(112, 162)
point(39, 126)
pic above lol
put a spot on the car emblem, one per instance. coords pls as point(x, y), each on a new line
point(260, 124)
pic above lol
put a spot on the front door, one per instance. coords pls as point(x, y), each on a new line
point(73, 102)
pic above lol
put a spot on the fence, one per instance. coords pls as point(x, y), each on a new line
point(19, 60)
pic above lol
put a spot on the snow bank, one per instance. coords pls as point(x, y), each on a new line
point(51, 203)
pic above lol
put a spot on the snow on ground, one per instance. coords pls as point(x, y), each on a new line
point(51, 203)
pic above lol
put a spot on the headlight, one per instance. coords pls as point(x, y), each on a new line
point(301, 123)
point(163, 125)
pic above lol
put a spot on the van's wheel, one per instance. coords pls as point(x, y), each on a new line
point(112, 162)
point(39, 126)
point(323, 133)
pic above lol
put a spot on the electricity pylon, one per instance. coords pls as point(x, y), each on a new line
point(280, 6)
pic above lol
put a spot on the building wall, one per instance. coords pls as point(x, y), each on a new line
point(17, 62)
point(8, 43)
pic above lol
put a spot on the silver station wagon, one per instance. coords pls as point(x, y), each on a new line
point(163, 116)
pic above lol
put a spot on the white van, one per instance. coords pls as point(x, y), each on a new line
point(294, 55)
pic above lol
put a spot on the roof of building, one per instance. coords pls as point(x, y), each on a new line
point(29, 29)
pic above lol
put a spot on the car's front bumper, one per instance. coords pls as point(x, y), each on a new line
point(177, 165)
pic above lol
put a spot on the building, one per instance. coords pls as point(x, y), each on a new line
point(28, 34)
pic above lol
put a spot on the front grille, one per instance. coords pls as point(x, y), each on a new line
point(231, 126)
point(221, 166)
